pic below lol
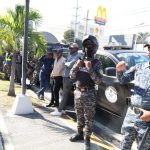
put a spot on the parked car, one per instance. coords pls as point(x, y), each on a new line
point(111, 97)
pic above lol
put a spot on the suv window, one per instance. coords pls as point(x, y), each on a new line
point(133, 58)
point(106, 62)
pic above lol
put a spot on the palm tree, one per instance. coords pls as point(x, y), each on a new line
point(12, 31)
point(141, 37)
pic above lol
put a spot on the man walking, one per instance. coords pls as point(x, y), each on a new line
point(45, 71)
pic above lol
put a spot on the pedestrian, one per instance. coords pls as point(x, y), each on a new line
point(18, 71)
point(67, 82)
point(56, 76)
point(45, 71)
point(134, 127)
point(86, 73)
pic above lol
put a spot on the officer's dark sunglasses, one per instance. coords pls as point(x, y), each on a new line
point(71, 47)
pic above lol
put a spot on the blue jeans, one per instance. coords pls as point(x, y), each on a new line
point(44, 83)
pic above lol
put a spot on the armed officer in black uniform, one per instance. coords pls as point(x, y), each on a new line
point(86, 73)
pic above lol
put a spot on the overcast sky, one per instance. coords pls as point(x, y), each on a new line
point(123, 16)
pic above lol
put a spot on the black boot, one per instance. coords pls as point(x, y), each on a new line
point(87, 144)
point(50, 104)
point(77, 137)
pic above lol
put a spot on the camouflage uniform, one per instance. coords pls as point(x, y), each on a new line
point(85, 99)
point(133, 127)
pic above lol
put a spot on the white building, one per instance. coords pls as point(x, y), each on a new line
point(83, 28)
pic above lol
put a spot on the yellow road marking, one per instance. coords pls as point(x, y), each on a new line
point(94, 138)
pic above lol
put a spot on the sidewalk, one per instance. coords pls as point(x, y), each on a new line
point(40, 131)
point(104, 132)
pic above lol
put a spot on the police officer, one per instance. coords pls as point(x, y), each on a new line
point(7, 63)
point(134, 126)
point(45, 71)
point(86, 72)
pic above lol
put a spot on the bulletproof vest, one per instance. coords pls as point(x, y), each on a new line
point(83, 78)
point(8, 60)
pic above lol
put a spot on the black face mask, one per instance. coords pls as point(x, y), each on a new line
point(89, 52)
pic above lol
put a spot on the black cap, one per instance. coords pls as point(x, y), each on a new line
point(147, 45)
point(59, 50)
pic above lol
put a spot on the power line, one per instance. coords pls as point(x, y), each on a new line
point(132, 27)
point(134, 12)
point(86, 21)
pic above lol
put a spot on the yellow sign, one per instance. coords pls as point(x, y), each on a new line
point(100, 17)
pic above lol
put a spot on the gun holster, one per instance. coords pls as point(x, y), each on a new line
point(128, 101)
point(134, 108)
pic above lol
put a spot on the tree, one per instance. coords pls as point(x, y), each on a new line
point(141, 37)
point(79, 42)
point(68, 36)
point(12, 31)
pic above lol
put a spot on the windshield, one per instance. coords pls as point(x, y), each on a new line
point(133, 58)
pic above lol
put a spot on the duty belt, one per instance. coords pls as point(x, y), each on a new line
point(85, 89)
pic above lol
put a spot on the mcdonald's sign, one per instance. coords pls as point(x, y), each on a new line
point(100, 17)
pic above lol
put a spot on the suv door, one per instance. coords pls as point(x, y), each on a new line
point(111, 94)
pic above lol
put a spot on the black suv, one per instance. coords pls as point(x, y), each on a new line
point(112, 95)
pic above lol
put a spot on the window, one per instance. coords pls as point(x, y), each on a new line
point(133, 58)
point(81, 27)
point(80, 35)
point(106, 62)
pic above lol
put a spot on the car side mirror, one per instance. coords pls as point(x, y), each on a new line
point(110, 71)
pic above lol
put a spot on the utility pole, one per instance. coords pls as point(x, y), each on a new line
point(22, 103)
point(76, 19)
point(86, 22)
point(25, 47)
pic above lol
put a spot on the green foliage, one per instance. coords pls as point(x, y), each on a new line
point(37, 44)
point(2, 76)
point(12, 29)
point(68, 36)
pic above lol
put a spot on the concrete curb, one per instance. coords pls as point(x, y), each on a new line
point(100, 130)
point(107, 134)
point(4, 132)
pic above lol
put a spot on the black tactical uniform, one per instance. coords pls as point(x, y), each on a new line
point(86, 73)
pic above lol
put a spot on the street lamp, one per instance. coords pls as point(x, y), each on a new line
point(22, 103)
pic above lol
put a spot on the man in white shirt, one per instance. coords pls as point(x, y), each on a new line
point(56, 74)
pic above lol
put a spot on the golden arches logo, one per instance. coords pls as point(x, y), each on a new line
point(100, 17)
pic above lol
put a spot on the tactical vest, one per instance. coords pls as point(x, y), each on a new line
point(83, 78)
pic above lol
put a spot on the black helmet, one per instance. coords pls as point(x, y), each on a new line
point(90, 42)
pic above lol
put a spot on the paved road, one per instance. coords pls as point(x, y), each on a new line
point(40, 131)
